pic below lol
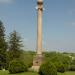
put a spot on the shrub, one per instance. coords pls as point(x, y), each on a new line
point(73, 62)
point(48, 69)
point(61, 68)
point(72, 68)
point(16, 67)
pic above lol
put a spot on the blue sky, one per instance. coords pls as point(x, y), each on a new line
point(58, 23)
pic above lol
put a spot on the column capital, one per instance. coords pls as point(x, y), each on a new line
point(40, 2)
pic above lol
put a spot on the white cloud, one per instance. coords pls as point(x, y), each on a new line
point(6, 1)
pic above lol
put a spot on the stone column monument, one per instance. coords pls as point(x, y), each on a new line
point(39, 57)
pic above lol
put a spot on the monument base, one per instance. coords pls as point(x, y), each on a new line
point(37, 61)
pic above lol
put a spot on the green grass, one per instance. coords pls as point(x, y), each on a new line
point(26, 73)
point(32, 73)
point(67, 73)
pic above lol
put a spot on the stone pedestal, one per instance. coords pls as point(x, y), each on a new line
point(37, 61)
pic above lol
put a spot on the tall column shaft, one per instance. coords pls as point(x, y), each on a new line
point(38, 59)
point(39, 30)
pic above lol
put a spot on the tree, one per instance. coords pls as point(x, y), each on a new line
point(14, 45)
point(56, 58)
point(48, 68)
point(3, 46)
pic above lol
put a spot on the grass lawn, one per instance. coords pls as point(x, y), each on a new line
point(31, 73)
point(26, 73)
point(67, 73)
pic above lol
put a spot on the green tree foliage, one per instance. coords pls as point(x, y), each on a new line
point(61, 68)
point(72, 65)
point(55, 57)
point(3, 46)
point(48, 69)
point(15, 45)
point(73, 62)
point(16, 66)
point(27, 57)
point(72, 68)
point(58, 59)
